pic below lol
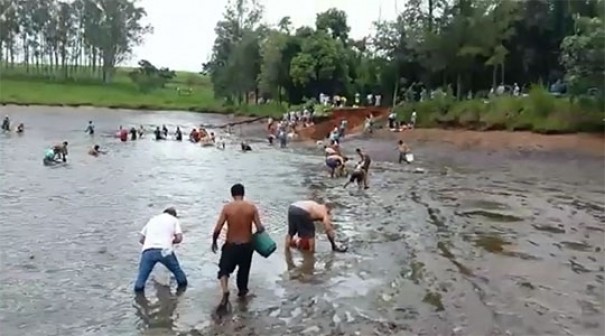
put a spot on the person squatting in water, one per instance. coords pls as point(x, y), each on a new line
point(301, 226)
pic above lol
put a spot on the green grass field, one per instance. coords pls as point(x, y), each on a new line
point(18, 87)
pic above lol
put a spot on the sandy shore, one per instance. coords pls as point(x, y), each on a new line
point(582, 144)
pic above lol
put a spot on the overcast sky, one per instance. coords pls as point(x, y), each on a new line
point(184, 29)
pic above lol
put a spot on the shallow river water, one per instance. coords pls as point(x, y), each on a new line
point(478, 244)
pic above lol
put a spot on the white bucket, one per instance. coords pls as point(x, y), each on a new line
point(409, 157)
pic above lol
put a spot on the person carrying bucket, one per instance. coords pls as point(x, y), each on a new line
point(237, 250)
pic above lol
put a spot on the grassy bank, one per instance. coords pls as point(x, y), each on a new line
point(20, 89)
point(538, 112)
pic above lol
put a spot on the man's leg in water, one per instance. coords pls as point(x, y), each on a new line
point(243, 269)
point(226, 266)
point(148, 260)
point(172, 264)
point(292, 228)
point(365, 178)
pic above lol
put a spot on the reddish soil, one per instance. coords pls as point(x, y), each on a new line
point(354, 116)
point(593, 144)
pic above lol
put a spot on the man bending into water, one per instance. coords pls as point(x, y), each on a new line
point(357, 175)
point(365, 164)
point(237, 249)
point(336, 164)
point(61, 151)
point(301, 218)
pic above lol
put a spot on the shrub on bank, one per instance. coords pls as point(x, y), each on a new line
point(539, 112)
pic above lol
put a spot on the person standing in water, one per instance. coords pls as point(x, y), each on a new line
point(365, 164)
point(6, 124)
point(123, 134)
point(301, 218)
point(237, 250)
point(158, 238)
point(404, 149)
point(178, 135)
point(141, 131)
point(90, 129)
point(165, 131)
point(20, 128)
point(133, 133)
point(158, 133)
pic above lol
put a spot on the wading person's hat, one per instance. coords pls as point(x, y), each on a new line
point(171, 211)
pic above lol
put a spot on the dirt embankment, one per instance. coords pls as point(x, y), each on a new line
point(592, 144)
point(355, 118)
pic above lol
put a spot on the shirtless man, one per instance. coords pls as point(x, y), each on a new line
point(301, 218)
point(357, 175)
point(95, 151)
point(237, 249)
point(336, 165)
point(403, 150)
point(61, 151)
point(365, 162)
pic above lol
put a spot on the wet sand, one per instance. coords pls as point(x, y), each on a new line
point(482, 243)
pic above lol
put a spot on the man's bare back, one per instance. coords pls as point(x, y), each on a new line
point(316, 210)
point(240, 216)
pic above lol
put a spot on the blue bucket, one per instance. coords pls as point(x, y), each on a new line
point(263, 244)
point(49, 154)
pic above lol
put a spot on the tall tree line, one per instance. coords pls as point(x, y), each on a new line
point(67, 39)
point(465, 45)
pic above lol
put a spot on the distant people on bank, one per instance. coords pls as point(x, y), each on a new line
point(342, 128)
point(6, 124)
point(239, 215)
point(90, 129)
point(357, 176)
point(95, 151)
point(405, 153)
point(301, 225)
point(392, 120)
point(158, 238)
point(365, 162)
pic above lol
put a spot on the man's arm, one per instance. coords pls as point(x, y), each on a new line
point(327, 221)
point(222, 218)
point(142, 235)
point(256, 220)
point(178, 233)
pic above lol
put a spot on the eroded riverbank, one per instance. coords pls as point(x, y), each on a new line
point(482, 243)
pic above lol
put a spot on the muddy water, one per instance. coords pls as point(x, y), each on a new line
point(478, 244)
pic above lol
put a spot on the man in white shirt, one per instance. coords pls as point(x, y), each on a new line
point(158, 237)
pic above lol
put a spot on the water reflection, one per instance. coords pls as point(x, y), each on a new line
point(160, 313)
